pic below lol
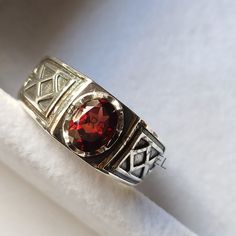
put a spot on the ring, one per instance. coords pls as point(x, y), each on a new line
point(90, 122)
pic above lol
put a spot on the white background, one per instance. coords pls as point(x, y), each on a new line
point(171, 61)
point(25, 211)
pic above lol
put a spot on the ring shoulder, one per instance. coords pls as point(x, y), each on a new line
point(138, 157)
point(47, 88)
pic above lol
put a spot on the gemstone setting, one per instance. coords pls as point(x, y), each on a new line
point(94, 124)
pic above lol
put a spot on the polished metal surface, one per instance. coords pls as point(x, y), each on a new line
point(51, 93)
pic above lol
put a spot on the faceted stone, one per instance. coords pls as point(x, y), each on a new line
point(93, 125)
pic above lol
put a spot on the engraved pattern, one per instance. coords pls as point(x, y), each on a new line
point(45, 86)
point(141, 159)
point(49, 95)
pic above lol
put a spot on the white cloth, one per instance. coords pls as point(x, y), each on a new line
point(106, 206)
point(24, 210)
point(173, 62)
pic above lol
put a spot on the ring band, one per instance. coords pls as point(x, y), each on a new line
point(91, 122)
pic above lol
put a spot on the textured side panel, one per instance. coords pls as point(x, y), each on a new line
point(46, 86)
point(141, 159)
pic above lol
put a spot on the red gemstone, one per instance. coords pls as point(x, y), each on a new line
point(93, 125)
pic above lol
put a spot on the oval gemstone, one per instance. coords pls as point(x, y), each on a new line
point(93, 125)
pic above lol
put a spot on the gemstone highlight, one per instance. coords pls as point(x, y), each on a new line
point(92, 125)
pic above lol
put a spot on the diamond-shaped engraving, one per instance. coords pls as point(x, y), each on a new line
point(139, 158)
point(46, 87)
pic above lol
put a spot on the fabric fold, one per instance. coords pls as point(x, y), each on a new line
point(108, 207)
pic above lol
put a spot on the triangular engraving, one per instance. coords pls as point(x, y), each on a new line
point(31, 92)
point(125, 165)
point(61, 82)
point(47, 72)
point(138, 172)
point(44, 104)
point(151, 166)
point(154, 153)
point(141, 144)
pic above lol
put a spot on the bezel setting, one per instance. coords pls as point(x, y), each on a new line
point(90, 122)
point(80, 101)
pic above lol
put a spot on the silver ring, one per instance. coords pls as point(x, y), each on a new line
point(91, 122)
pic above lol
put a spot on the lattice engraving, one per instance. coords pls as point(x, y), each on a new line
point(45, 86)
point(141, 159)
